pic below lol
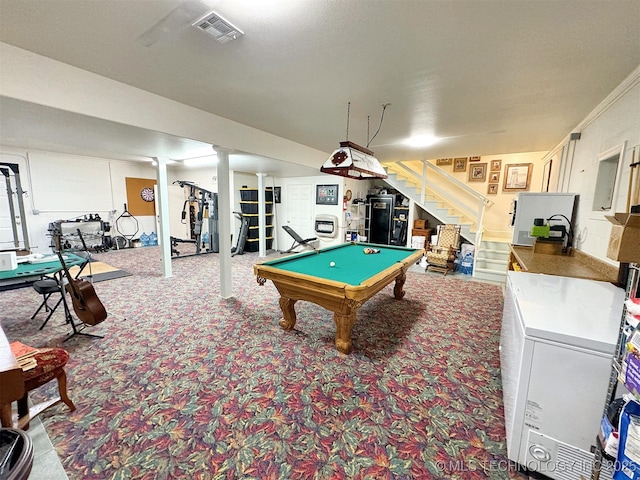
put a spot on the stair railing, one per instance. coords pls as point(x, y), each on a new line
point(452, 191)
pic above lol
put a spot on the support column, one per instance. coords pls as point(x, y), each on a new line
point(224, 221)
point(262, 242)
point(163, 214)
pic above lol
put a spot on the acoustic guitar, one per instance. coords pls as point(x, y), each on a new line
point(86, 303)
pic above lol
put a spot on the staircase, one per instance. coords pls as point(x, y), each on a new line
point(447, 199)
point(435, 206)
point(491, 261)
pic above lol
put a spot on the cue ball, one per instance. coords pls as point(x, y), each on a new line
point(332, 264)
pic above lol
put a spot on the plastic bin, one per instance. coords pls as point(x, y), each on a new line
point(252, 207)
point(251, 195)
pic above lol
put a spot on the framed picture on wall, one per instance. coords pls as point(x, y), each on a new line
point(494, 177)
point(460, 164)
point(444, 161)
point(327, 194)
point(492, 189)
point(517, 176)
point(474, 159)
point(496, 165)
point(478, 172)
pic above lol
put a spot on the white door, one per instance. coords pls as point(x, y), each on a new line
point(299, 200)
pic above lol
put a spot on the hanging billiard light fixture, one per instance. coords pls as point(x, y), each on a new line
point(354, 161)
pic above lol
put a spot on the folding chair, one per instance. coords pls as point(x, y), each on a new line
point(297, 240)
point(49, 286)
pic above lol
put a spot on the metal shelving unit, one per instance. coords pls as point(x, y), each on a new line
point(357, 216)
point(92, 231)
point(602, 467)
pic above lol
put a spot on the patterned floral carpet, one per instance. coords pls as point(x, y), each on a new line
point(186, 385)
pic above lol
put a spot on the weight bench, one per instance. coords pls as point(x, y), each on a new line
point(297, 240)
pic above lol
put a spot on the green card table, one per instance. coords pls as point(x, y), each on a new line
point(30, 271)
point(342, 288)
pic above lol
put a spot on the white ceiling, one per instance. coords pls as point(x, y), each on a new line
point(37, 127)
point(486, 77)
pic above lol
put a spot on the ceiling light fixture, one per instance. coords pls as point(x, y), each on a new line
point(354, 161)
point(219, 28)
point(421, 141)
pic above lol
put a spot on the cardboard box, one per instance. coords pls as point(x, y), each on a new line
point(420, 224)
point(624, 241)
point(421, 232)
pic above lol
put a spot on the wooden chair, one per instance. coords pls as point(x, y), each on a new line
point(50, 366)
point(442, 255)
point(51, 363)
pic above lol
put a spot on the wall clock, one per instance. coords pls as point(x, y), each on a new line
point(147, 194)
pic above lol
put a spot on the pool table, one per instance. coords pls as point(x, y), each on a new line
point(342, 288)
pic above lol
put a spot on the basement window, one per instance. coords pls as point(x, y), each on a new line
point(608, 162)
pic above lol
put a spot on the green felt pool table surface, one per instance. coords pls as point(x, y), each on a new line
point(352, 265)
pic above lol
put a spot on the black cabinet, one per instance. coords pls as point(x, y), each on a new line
point(387, 220)
point(380, 219)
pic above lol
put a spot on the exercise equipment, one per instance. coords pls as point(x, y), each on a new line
point(297, 240)
point(207, 207)
point(13, 167)
point(124, 240)
point(242, 234)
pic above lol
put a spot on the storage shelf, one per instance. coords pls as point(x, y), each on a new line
point(602, 467)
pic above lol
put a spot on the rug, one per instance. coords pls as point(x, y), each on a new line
point(97, 271)
point(186, 385)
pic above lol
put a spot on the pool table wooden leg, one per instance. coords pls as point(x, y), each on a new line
point(289, 320)
point(344, 324)
point(397, 289)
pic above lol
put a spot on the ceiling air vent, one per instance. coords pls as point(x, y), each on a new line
point(219, 28)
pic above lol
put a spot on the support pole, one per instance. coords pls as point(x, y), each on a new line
point(224, 217)
point(164, 233)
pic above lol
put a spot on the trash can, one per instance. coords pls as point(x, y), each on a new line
point(16, 454)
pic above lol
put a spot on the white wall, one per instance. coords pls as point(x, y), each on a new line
point(63, 187)
point(497, 216)
point(606, 127)
point(359, 188)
